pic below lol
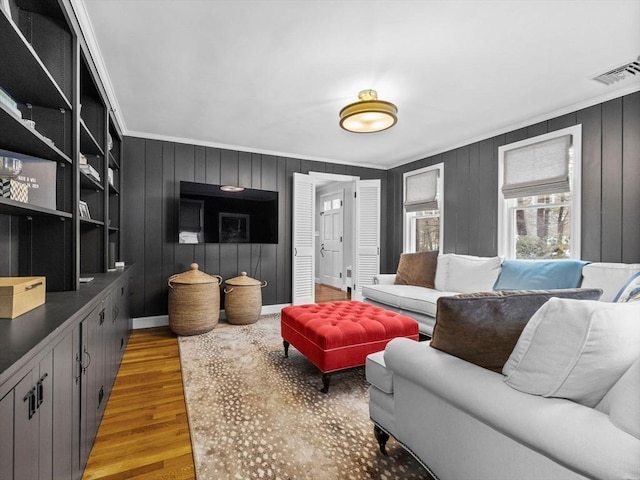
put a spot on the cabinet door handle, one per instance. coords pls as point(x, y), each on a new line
point(101, 317)
point(30, 398)
point(80, 368)
point(40, 390)
point(84, 367)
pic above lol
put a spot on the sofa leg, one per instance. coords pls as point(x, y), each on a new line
point(286, 348)
point(382, 437)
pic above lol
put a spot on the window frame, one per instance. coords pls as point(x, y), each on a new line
point(408, 245)
point(506, 222)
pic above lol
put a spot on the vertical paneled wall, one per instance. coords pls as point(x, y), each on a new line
point(610, 186)
point(151, 185)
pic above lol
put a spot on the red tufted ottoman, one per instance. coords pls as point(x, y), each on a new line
point(340, 335)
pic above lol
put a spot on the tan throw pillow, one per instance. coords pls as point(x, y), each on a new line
point(417, 269)
point(483, 328)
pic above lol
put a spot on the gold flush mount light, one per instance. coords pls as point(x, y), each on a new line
point(369, 114)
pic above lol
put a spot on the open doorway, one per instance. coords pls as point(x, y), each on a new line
point(360, 224)
point(333, 239)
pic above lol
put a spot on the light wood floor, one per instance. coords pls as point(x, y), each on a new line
point(144, 433)
point(325, 293)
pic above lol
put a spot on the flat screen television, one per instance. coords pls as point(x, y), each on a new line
point(223, 214)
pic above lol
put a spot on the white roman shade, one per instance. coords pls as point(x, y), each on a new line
point(537, 169)
point(421, 191)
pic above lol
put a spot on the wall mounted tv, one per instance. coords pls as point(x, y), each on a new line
point(223, 214)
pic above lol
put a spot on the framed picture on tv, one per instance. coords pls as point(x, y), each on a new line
point(234, 227)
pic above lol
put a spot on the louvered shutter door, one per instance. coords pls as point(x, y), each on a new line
point(367, 233)
point(303, 251)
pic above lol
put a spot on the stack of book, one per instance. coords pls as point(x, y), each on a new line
point(9, 102)
point(87, 169)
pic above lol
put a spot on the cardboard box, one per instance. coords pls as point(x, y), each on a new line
point(18, 295)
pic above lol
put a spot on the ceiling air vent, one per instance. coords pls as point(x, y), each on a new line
point(620, 73)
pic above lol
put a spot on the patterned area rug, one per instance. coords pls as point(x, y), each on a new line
point(254, 414)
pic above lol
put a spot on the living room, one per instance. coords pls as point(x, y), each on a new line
point(210, 95)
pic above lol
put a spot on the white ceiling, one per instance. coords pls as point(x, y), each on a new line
point(271, 76)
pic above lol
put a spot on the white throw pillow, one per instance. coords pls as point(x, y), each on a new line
point(621, 402)
point(442, 271)
point(468, 274)
point(575, 349)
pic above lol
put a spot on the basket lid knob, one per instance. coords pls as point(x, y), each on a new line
point(194, 266)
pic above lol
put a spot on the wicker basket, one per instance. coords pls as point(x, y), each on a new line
point(194, 301)
point(243, 299)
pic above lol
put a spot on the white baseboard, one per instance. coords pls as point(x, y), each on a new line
point(150, 322)
point(163, 320)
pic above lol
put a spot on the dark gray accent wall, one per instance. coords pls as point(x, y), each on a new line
point(151, 183)
point(153, 170)
point(610, 186)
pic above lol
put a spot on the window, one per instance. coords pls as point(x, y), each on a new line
point(539, 197)
point(423, 209)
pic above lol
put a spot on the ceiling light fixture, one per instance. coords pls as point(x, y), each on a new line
point(231, 188)
point(369, 114)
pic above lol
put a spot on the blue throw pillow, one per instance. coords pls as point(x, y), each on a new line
point(539, 274)
point(630, 292)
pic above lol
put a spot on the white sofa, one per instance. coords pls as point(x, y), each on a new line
point(457, 274)
point(462, 421)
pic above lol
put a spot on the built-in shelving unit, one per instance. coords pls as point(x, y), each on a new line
point(48, 71)
point(59, 218)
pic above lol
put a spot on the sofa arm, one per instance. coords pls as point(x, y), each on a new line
point(384, 279)
point(569, 433)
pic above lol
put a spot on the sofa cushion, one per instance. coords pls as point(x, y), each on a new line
point(621, 402)
point(575, 349)
point(417, 269)
point(483, 328)
point(377, 373)
point(630, 292)
point(466, 273)
point(573, 435)
point(539, 274)
point(407, 297)
point(610, 277)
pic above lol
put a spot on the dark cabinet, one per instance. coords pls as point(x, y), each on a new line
point(51, 407)
point(27, 417)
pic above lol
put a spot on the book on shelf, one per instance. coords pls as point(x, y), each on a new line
point(8, 101)
point(90, 171)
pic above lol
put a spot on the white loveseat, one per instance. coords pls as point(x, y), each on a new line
point(457, 274)
point(463, 421)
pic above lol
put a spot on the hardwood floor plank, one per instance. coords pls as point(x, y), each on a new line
point(144, 432)
point(325, 293)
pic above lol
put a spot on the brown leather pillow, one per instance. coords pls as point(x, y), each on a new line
point(417, 269)
point(483, 328)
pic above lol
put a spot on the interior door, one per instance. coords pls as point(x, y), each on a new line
point(331, 236)
point(367, 257)
point(304, 193)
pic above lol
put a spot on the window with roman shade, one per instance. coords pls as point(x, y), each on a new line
point(539, 202)
point(537, 169)
point(423, 209)
point(421, 191)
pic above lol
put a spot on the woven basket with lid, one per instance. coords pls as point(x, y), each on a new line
point(194, 301)
point(243, 299)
